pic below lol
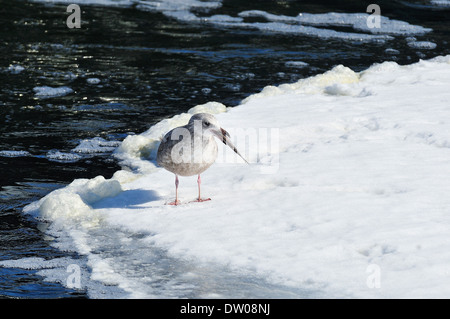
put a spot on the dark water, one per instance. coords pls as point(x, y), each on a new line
point(150, 67)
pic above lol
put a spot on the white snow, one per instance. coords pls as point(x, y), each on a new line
point(296, 64)
point(85, 148)
point(58, 156)
point(93, 81)
point(441, 3)
point(206, 90)
point(7, 153)
point(15, 69)
point(355, 203)
point(392, 51)
point(48, 91)
point(134, 148)
point(309, 24)
point(113, 3)
point(357, 21)
point(424, 45)
point(95, 145)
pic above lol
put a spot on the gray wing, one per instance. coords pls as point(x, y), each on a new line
point(165, 149)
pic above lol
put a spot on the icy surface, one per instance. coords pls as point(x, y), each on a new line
point(314, 25)
point(58, 156)
point(6, 153)
point(424, 45)
point(441, 3)
point(345, 196)
point(47, 91)
point(93, 81)
point(15, 69)
point(392, 51)
point(118, 3)
point(357, 21)
point(96, 145)
point(296, 64)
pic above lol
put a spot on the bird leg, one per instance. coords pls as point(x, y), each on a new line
point(200, 199)
point(176, 202)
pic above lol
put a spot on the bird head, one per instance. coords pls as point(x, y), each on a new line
point(210, 125)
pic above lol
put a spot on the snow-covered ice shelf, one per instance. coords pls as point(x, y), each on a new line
point(351, 199)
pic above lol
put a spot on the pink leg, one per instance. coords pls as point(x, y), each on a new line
point(200, 199)
point(176, 202)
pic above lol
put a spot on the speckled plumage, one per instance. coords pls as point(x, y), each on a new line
point(179, 152)
point(191, 149)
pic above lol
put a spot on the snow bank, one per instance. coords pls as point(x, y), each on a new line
point(71, 204)
point(357, 205)
point(338, 76)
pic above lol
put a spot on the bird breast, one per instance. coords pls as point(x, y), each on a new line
point(187, 155)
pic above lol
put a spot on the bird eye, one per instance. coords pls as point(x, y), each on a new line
point(206, 123)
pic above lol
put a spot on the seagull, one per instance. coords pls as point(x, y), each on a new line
point(191, 149)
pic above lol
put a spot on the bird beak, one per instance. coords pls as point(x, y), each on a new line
point(224, 136)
